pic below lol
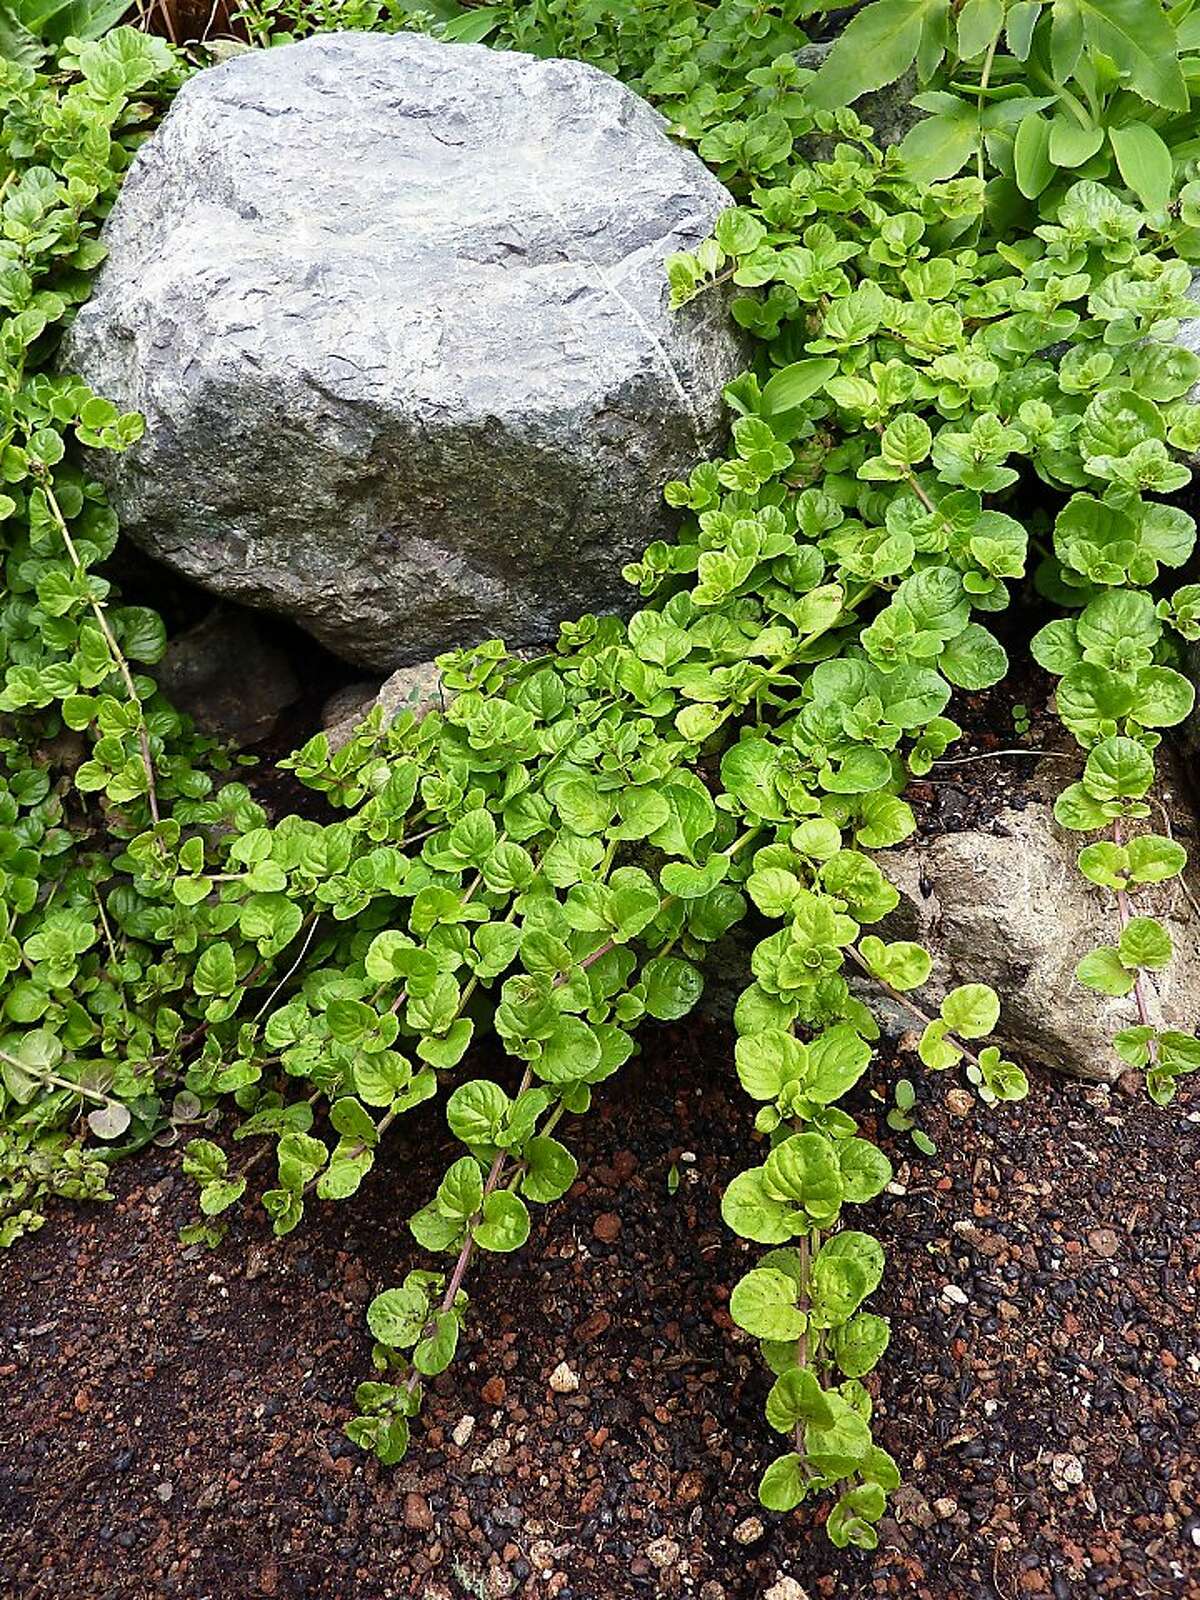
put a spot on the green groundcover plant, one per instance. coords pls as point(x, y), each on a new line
point(962, 379)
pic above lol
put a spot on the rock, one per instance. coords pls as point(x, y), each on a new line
point(663, 1553)
point(396, 316)
point(418, 1517)
point(231, 680)
point(1104, 1242)
point(1066, 1471)
point(785, 1588)
point(350, 703)
point(909, 1505)
point(748, 1530)
point(960, 1102)
point(417, 689)
point(462, 1431)
point(500, 1583)
point(1010, 908)
point(563, 1380)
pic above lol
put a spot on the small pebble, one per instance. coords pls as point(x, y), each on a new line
point(463, 1429)
point(418, 1518)
point(663, 1553)
point(607, 1227)
point(563, 1380)
point(785, 1588)
point(1104, 1242)
point(955, 1295)
point(541, 1554)
point(748, 1531)
point(1066, 1471)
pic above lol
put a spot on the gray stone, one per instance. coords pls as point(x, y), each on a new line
point(396, 315)
point(1187, 335)
point(417, 689)
point(228, 678)
point(1011, 908)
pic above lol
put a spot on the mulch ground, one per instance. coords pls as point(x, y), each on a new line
point(170, 1420)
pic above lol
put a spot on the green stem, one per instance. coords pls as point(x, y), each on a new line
point(110, 639)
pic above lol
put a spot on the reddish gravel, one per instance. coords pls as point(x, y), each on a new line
point(170, 1422)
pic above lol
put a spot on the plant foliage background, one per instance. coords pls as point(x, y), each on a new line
point(964, 381)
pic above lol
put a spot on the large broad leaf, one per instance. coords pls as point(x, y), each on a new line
point(17, 42)
point(1145, 163)
point(1137, 35)
point(939, 146)
point(878, 45)
point(56, 20)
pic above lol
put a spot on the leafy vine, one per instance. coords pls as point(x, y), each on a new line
point(554, 854)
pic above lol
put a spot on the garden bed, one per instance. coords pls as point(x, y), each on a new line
point(170, 1421)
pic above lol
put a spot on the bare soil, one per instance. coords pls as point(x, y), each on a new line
point(170, 1420)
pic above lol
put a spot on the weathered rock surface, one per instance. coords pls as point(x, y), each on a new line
point(417, 689)
point(231, 680)
point(1189, 733)
point(1010, 908)
point(396, 315)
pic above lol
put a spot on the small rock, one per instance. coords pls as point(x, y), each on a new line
point(541, 1554)
point(350, 703)
point(689, 1488)
point(955, 1295)
point(228, 676)
point(1066, 1471)
point(663, 1553)
point(563, 1380)
point(909, 1505)
point(417, 689)
point(960, 1102)
point(785, 1588)
point(494, 1391)
point(1007, 904)
point(463, 1429)
point(164, 1490)
point(500, 1583)
point(945, 1507)
point(1104, 1242)
point(607, 1226)
point(748, 1530)
point(418, 1517)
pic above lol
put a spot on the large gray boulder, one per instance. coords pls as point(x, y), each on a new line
point(396, 315)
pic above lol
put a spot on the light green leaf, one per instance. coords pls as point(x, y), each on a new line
point(791, 386)
point(504, 1223)
point(971, 1011)
point(1144, 162)
point(763, 1302)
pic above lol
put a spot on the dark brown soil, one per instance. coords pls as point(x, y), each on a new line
point(170, 1422)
